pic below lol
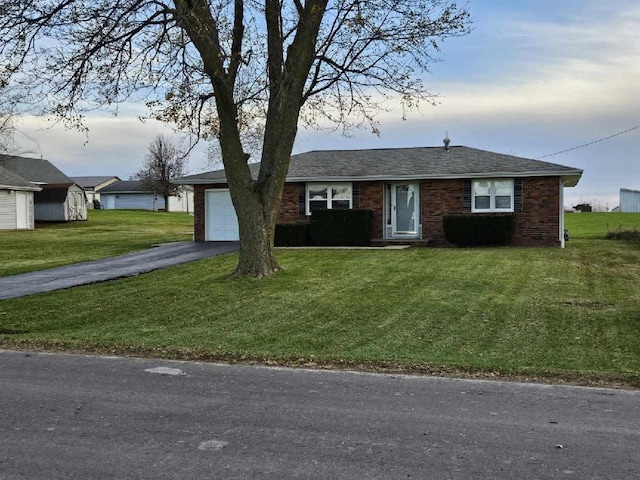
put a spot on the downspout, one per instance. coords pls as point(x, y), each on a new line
point(561, 232)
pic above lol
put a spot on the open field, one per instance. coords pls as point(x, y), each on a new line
point(571, 314)
point(106, 233)
point(596, 225)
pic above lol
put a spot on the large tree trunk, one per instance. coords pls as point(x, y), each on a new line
point(256, 221)
point(257, 257)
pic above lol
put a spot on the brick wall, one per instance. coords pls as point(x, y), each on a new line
point(290, 209)
point(371, 197)
point(539, 224)
point(438, 198)
point(536, 225)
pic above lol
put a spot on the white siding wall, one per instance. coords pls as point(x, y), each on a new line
point(182, 202)
point(629, 201)
point(91, 196)
point(108, 201)
point(7, 210)
point(13, 204)
point(130, 201)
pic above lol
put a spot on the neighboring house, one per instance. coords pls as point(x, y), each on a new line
point(182, 201)
point(59, 200)
point(133, 195)
point(92, 186)
point(16, 201)
point(408, 189)
point(629, 200)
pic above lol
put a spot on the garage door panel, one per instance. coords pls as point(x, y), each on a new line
point(221, 219)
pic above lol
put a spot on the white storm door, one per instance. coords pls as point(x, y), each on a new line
point(405, 207)
point(221, 219)
point(22, 210)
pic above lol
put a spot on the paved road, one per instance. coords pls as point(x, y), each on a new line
point(74, 417)
point(85, 273)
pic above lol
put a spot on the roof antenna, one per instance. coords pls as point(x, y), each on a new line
point(446, 142)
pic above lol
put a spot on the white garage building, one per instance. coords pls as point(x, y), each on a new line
point(16, 201)
point(629, 200)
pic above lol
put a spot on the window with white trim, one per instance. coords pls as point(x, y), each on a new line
point(492, 195)
point(329, 196)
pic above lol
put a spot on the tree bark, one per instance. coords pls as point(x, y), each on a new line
point(257, 227)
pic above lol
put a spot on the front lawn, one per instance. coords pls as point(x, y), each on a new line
point(571, 314)
point(104, 234)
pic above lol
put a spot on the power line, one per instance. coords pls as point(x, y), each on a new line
point(591, 143)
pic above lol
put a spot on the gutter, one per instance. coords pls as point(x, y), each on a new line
point(20, 189)
point(570, 177)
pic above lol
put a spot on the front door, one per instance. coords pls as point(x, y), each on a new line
point(405, 209)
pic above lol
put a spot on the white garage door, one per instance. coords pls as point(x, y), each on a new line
point(221, 220)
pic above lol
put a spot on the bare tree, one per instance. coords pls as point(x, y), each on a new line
point(8, 123)
point(231, 70)
point(6, 132)
point(162, 164)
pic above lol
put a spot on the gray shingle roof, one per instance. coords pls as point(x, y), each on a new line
point(92, 182)
point(125, 186)
point(35, 170)
point(13, 181)
point(404, 164)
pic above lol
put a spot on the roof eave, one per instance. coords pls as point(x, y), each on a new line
point(124, 191)
point(570, 177)
point(20, 188)
point(199, 181)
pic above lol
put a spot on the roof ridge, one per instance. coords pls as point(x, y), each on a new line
point(378, 149)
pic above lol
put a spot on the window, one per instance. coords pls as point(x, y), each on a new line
point(492, 195)
point(328, 196)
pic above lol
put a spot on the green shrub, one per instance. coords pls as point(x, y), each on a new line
point(292, 235)
point(479, 230)
point(627, 235)
point(341, 227)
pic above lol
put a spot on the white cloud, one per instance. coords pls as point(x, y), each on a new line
point(113, 145)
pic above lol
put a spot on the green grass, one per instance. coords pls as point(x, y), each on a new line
point(105, 233)
point(571, 314)
point(596, 225)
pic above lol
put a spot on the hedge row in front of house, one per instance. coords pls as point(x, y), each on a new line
point(479, 230)
point(327, 228)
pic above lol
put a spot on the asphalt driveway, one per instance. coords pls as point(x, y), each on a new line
point(161, 256)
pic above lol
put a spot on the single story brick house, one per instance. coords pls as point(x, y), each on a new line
point(408, 189)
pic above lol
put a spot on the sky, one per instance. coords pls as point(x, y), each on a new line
point(532, 79)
